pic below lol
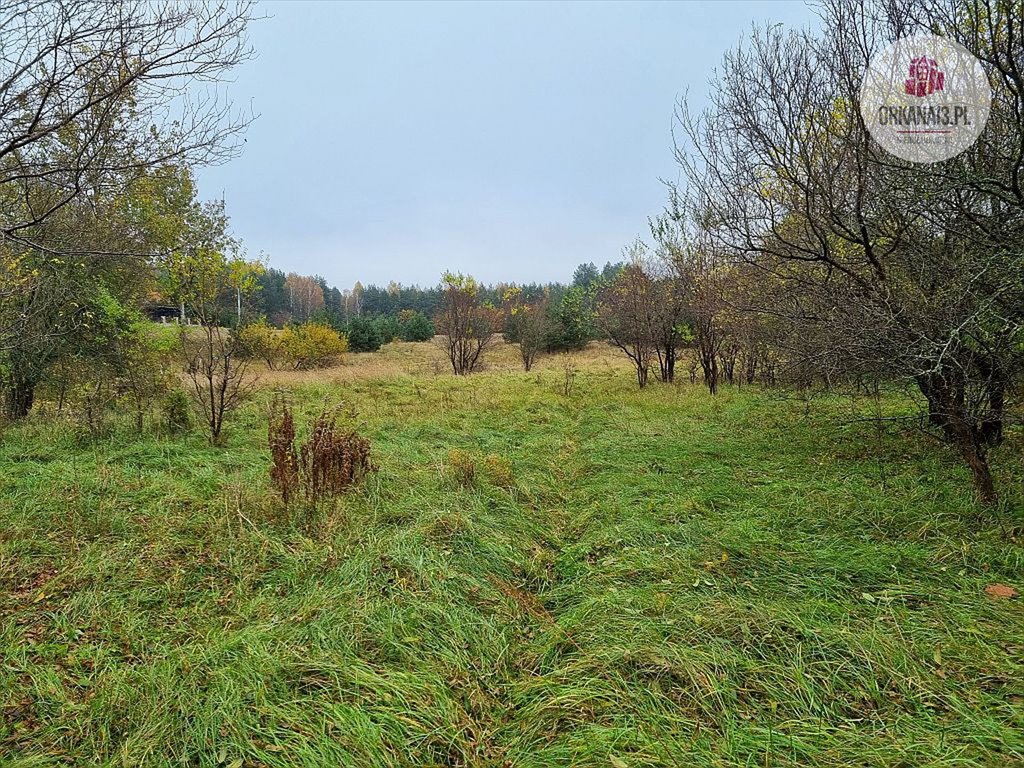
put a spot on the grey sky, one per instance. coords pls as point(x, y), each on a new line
point(511, 141)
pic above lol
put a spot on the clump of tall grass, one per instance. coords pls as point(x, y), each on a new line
point(466, 469)
point(499, 470)
point(461, 467)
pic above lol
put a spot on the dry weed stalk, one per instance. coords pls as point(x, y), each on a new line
point(284, 470)
point(332, 460)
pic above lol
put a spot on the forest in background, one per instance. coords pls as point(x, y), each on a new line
point(287, 298)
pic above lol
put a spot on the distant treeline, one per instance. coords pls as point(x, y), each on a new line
point(378, 314)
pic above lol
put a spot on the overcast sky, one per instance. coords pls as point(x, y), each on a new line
point(510, 141)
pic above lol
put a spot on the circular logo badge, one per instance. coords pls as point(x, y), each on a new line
point(925, 98)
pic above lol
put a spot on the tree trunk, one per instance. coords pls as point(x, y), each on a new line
point(981, 474)
point(667, 362)
point(641, 375)
point(992, 425)
point(709, 364)
point(947, 410)
point(19, 395)
point(711, 379)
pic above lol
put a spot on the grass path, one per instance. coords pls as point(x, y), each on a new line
point(633, 579)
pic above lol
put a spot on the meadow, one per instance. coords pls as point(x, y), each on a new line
point(532, 577)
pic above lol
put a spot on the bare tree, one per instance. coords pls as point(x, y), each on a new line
point(93, 93)
point(673, 311)
point(206, 278)
point(698, 280)
point(218, 373)
point(750, 333)
point(215, 359)
point(626, 313)
point(668, 327)
point(882, 280)
point(467, 327)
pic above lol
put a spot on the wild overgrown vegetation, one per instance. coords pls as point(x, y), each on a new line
point(468, 326)
point(867, 275)
point(330, 461)
point(715, 528)
point(613, 576)
point(795, 248)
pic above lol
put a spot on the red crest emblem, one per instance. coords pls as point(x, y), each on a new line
point(925, 77)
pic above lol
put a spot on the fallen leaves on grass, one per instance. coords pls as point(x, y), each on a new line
point(1001, 591)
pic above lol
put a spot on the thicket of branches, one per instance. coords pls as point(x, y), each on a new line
point(799, 248)
point(105, 107)
point(467, 326)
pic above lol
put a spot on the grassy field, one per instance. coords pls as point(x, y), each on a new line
point(655, 578)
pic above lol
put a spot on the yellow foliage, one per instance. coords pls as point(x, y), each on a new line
point(262, 341)
point(313, 345)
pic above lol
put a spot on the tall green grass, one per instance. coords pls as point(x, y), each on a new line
point(672, 580)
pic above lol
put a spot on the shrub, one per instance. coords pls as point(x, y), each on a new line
point(312, 345)
point(467, 325)
point(363, 335)
point(217, 373)
point(177, 418)
point(526, 324)
point(131, 369)
point(263, 341)
point(415, 326)
point(143, 359)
